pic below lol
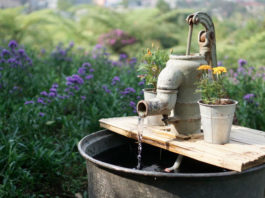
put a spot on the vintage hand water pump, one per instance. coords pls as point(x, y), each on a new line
point(176, 97)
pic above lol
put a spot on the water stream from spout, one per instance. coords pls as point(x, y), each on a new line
point(140, 137)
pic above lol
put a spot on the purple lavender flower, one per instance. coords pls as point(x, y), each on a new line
point(16, 88)
point(91, 70)
point(123, 56)
point(133, 61)
point(43, 51)
point(29, 60)
point(82, 70)
point(76, 87)
point(74, 79)
point(29, 102)
point(241, 69)
point(55, 85)
point(12, 60)
point(83, 97)
point(61, 97)
point(132, 104)
point(71, 94)
point(250, 70)
point(5, 52)
point(53, 90)
point(62, 52)
point(21, 52)
point(115, 80)
point(52, 94)
point(219, 63)
point(41, 114)
point(41, 100)
point(44, 93)
point(98, 46)
point(71, 44)
point(249, 97)
point(141, 83)
point(12, 44)
point(116, 63)
point(86, 64)
point(128, 90)
point(89, 76)
point(106, 88)
point(242, 62)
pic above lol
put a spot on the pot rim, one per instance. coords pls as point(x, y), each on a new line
point(150, 90)
point(219, 105)
point(112, 167)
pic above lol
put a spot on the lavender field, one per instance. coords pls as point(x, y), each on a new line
point(57, 80)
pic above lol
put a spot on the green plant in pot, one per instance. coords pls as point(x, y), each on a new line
point(217, 112)
point(152, 62)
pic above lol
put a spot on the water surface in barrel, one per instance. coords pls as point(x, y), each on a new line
point(152, 159)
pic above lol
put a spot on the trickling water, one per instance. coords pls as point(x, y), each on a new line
point(124, 156)
point(140, 137)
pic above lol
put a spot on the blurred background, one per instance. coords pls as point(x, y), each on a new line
point(42, 24)
point(64, 64)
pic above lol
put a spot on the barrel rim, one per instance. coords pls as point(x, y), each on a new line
point(152, 173)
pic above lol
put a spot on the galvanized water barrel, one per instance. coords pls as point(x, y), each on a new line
point(111, 181)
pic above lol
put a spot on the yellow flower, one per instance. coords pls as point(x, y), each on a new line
point(205, 67)
point(219, 70)
point(222, 69)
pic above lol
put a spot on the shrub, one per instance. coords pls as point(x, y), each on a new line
point(38, 150)
point(247, 85)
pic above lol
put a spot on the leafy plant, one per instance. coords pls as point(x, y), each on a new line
point(211, 84)
point(152, 64)
point(247, 85)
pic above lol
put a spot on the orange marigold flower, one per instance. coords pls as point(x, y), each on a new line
point(205, 67)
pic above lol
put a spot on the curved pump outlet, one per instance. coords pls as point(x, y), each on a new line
point(176, 96)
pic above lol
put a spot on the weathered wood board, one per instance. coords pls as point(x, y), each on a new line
point(246, 148)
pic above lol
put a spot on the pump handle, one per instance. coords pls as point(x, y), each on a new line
point(206, 38)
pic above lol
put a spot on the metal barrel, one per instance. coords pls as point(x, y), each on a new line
point(111, 181)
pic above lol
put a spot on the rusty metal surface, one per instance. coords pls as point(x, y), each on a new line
point(206, 38)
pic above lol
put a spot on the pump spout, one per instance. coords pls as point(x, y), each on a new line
point(176, 97)
point(168, 82)
point(162, 104)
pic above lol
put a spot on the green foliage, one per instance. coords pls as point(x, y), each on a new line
point(162, 6)
point(247, 86)
point(65, 4)
point(39, 157)
point(211, 84)
point(152, 63)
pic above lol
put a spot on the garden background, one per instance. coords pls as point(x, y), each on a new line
point(63, 69)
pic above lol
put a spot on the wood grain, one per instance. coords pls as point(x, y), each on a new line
point(245, 150)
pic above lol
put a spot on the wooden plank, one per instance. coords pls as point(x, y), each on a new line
point(246, 148)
